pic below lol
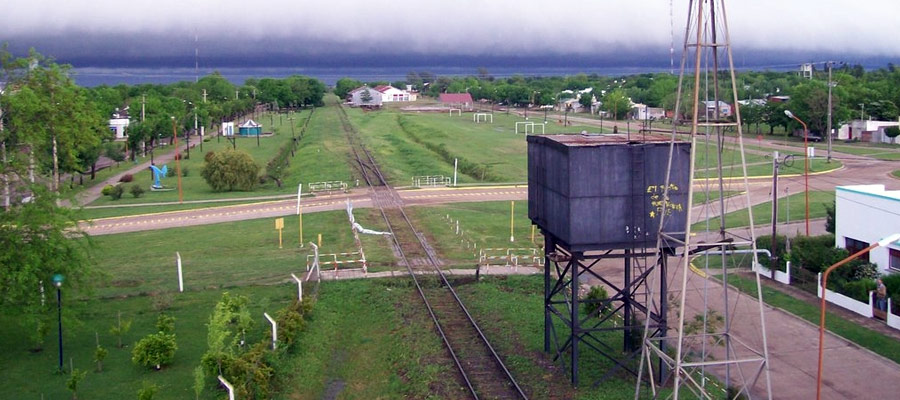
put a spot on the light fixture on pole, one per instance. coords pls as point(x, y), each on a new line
point(805, 162)
point(57, 281)
point(881, 243)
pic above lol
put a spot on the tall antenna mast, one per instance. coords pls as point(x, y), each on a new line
point(672, 38)
point(196, 58)
point(707, 344)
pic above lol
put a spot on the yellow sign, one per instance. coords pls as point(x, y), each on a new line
point(279, 223)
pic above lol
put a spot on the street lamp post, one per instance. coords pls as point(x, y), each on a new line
point(805, 162)
point(883, 242)
point(57, 281)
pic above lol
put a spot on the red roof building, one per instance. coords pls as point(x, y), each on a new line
point(460, 100)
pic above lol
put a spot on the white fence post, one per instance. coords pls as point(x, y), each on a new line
point(274, 330)
point(227, 386)
point(299, 286)
point(180, 276)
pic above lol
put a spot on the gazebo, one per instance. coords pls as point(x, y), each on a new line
point(250, 128)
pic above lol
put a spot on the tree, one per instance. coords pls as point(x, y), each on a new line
point(892, 132)
point(155, 350)
point(344, 86)
point(773, 115)
point(231, 170)
point(752, 114)
point(120, 329)
point(616, 103)
point(74, 379)
point(53, 117)
point(365, 96)
point(586, 100)
point(37, 242)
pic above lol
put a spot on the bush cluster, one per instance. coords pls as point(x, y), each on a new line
point(126, 178)
point(251, 369)
point(816, 253)
point(231, 170)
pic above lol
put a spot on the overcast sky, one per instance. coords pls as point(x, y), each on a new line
point(98, 31)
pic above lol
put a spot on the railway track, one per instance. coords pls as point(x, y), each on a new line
point(481, 370)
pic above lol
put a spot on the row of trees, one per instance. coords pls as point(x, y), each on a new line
point(875, 93)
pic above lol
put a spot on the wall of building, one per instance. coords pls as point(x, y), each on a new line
point(867, 213)
point(356, 98)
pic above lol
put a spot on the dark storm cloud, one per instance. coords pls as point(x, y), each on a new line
point(264, 32)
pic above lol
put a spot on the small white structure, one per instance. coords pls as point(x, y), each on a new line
point(643, 112)
point(866, 131)
point(118, 124)
point(723, 107)
point(359, 99)
point(864, 214)
point(228, 129)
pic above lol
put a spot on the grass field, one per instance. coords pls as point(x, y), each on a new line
point(321, 156)
point(34, 373)
point(244, 253)
point(896, 173)
point(762, 213)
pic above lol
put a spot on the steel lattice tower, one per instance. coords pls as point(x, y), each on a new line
point(702, 348)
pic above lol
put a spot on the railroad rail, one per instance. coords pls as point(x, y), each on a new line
point(481, 370)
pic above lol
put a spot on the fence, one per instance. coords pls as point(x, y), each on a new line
point(510, 257)
point(431, 181)
point(327, 186)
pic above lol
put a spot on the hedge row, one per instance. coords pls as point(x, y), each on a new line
point(416, 131)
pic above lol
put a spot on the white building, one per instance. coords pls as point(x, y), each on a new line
point(866, 131)
point(390, 94)
point(864, 214)
point(356, 97)
point(724, 109)
point(642, 112)
point(118, 124)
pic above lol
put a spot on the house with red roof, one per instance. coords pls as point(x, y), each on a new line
point(457, 100)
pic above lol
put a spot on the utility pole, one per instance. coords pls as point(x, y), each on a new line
point(773, 260)
point(6, 193)
point(828, 128)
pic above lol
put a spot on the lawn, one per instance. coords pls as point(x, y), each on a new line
point(402, 150)
point(874, 341)
point(34, 373)
point(896, 173)
point(795, 205)
point(321, 156)
point(232, 253)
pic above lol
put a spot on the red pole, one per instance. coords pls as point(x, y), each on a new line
point(177, 162)
point(822, 314)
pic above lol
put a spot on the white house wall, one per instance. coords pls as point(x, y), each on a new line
point(867, 213)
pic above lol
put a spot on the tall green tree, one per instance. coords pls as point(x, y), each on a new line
point(616, 103)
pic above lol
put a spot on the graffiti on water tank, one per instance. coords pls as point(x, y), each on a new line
point(657, 203)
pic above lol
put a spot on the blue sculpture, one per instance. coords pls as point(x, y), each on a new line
point(158, 173)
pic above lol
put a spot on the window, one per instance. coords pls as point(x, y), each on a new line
point(894, 259)
point(854, 245)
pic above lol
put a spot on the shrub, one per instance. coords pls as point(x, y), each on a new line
point(165, 323)
point(765, 242)
point(126, 178)
point(73, 381)
point(99, 355)
point(209, 156)
point(120, 329)
point(184, 171)
point(858, 290)
point(107, 190)
point(594, 300)
point(147, 391)
point(155, 350)
point(170, 172)
point(137, 191)
point(231, 170)
point(116, 192)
